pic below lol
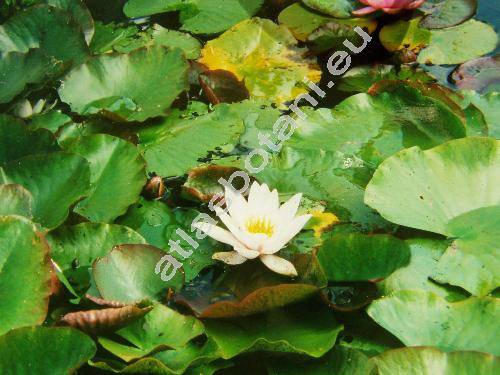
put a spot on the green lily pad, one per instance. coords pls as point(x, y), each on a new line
point(168, 362)
point(200, 16)
point(24, 274)
point(109, 36)
point(358, 257)
point(75, 248)
point(79, 14)
point(302, 21)
point(117, 176)
point(161, 328)
point(425, 360)
point(455, 45)
point(489, 105)
point(127, 274)
point(308, 330)
point(361, 78)
point(128, 87)
point(176, 39)
point(15, 200)
point(158, 224)
point(17, 140)
point(184, 143)
point(427, 189)
point(37, 44)
point(56, 181)
point(52, 121)
point(447, 13)
point(337, 8)
point(404, 35)
point(331, 157)
point(43, 350)
point(339, 361)
point(425, 254)
point(265, 56)
point(475, 249)
point(464, 325)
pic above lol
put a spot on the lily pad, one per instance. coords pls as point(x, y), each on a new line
point(405, 34)
point(37, 43)
point(185, 143)
point(480, 75)
point(247, 290)
point(358, 257)
point(455, 45)
point(337, 8)
point(447, 13)
point(475, 249)
point(339, 361)
point(306, 330)
point(361, 78)
point(24, 274)
point(427, 189)
point(265, 56)
point(489, 105)
point(425, 254)
point(161, 328)
point(464, 325)
point(302, 21)
point(166, 362)
point(425, 360)
point(159, 225)
point(117, 176)
point(200, 16)
point(15, 200)
point(17, 140)
point(79, 14)
point(74, 248)
point(44, 350)
point(332, 153)
point(120, 86)
point(127, 274)
point(203, 182)
point(56, 181)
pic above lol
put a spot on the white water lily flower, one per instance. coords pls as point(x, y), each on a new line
point(258, 228)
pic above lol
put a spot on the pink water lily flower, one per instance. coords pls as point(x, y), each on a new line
point(388, 6)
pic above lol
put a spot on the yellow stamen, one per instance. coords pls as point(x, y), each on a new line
point(260, 225)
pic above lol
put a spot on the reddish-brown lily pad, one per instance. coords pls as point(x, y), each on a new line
point(482, 75)
point(244, 290)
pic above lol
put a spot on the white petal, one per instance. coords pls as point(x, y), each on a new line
point(285, 234)
point(253, 196)
point(279, 265)
point(237, 206)
point(218, 233)
point(230, 257)
point(262, 201)
point(288, 210)
point(247, 253)
point(233, 227)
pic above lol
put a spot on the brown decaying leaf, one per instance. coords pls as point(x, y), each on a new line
point(221, 86)
point(155, 188)
point(102, 302)
point(105, 320)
